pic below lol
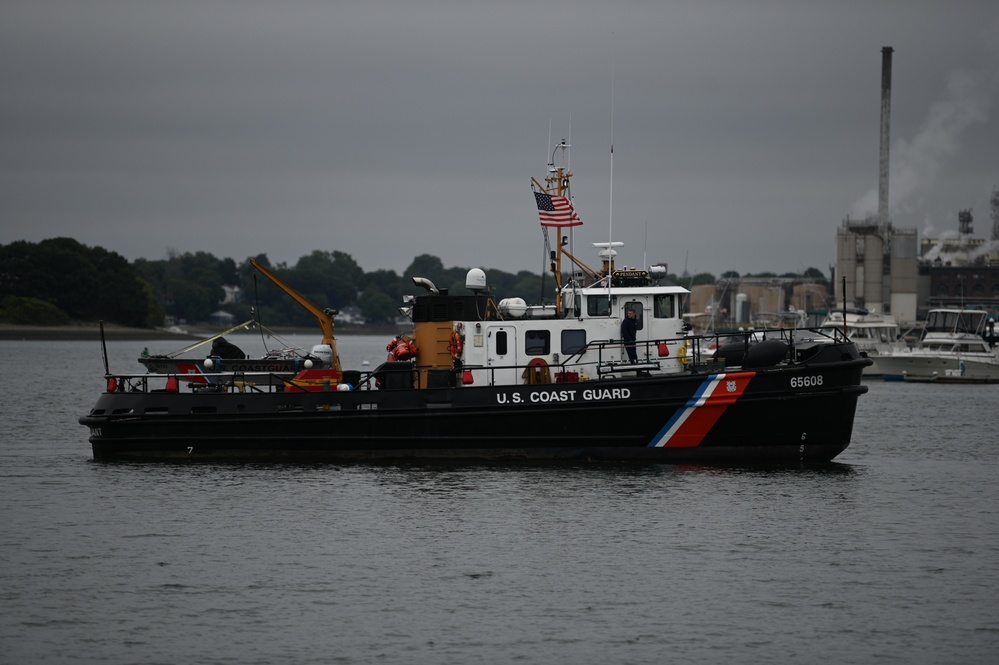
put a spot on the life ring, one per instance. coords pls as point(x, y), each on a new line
point(456, 345)
point(681, 354)
point(537, 372)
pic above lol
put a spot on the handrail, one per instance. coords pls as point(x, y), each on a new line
point(699, 356)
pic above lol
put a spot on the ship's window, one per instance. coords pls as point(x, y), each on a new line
point(501, 343)
point(537, 342)
point(573, 341)
point(662, 307)
point(639, 313)
point(597, 306)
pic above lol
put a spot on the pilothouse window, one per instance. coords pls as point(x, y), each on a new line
point(597, 305)
point(663, 307)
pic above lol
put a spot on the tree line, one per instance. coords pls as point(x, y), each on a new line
point(190, 286)
point(60, 280)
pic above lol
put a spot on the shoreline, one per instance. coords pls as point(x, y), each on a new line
point(92, 331)
point(84, 332)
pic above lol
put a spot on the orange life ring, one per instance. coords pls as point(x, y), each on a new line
point(456, 346)
point(537, 372)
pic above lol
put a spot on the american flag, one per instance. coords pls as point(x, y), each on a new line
point(556, 210)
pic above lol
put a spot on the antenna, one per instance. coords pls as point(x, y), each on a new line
point(549, 152)
point(610, 214)
point(645, 251)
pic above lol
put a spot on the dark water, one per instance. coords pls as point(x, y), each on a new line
point(890, 555)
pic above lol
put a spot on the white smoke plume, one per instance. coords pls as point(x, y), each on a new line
point(916, 163)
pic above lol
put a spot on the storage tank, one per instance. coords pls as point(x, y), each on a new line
point(742, 308)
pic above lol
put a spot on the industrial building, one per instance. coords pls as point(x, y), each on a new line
point(886, 269)
point(881, 267)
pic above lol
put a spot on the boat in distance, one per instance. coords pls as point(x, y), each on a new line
point(874, 334)
point(956, 346)
point(608, 371)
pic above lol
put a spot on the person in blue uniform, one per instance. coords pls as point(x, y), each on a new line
point(629, 331)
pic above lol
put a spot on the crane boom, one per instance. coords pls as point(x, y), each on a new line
point(323, 316)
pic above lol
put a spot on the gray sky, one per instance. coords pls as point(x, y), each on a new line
point(744, 132)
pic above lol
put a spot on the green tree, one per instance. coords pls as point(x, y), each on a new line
point(329, 279)
point(31, 311)
point(388, 282)
point(155, 314)
point(121, 296)
point(85, 283)
point(189, 286)
point(377, 306)
point(429, 267)
point(528, 287)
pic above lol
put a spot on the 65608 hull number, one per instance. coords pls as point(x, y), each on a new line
point(806, 381)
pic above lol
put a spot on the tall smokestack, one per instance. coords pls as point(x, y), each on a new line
point(994, 203)
point(885, 130)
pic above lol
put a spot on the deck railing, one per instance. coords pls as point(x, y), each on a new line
point(599, 359)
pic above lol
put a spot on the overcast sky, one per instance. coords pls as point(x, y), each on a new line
point(744, 132)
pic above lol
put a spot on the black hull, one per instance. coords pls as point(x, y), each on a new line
point(781, 414)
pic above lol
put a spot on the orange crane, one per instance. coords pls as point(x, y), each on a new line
point(324, 316)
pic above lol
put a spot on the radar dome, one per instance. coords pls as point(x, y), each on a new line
point(475, 280)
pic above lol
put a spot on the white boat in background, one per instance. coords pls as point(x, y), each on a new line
point(874, 334)
point(957, 346)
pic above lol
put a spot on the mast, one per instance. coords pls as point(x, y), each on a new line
point(557, 184)
point(560, 214)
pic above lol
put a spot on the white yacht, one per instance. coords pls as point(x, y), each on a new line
point(874, 334)
point(957, 346)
